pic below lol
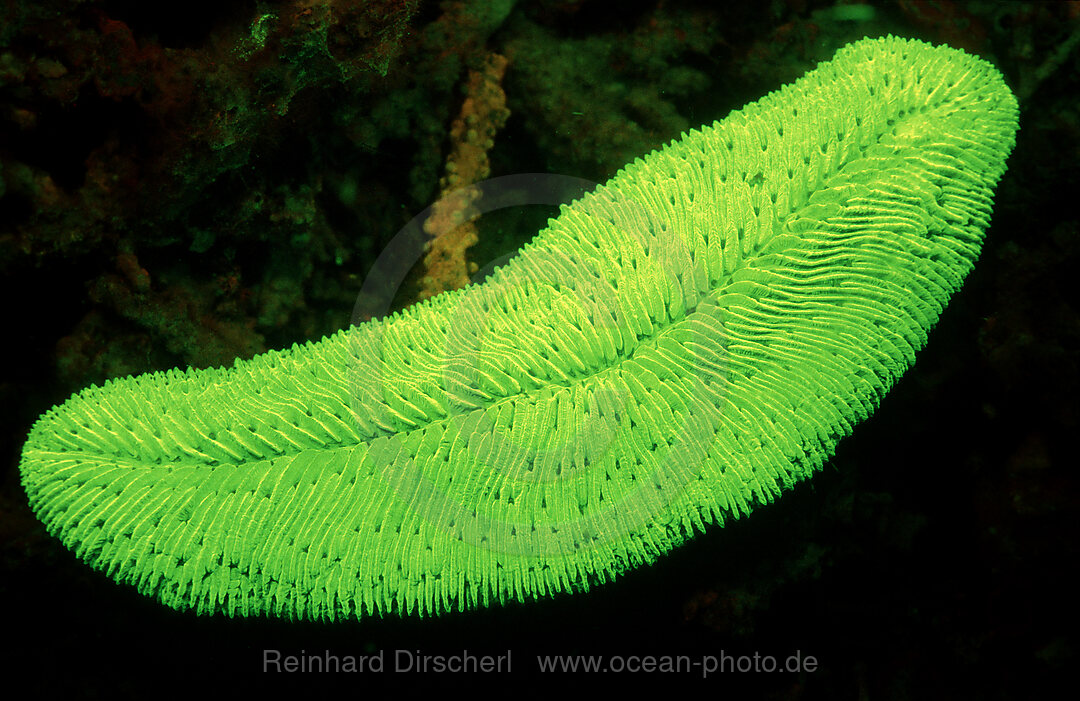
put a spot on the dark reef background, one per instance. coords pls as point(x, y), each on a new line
point(187, 183)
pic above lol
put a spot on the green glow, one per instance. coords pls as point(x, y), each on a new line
point(260, 31)
point(676, 348)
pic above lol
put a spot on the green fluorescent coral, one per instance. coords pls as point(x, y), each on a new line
point(675, 349)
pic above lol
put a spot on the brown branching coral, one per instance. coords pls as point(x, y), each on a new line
point(472, 134)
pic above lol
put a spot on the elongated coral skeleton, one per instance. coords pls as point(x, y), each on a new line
point(675, 348)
